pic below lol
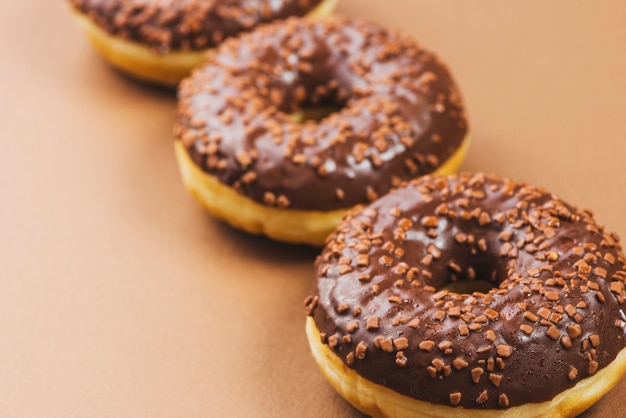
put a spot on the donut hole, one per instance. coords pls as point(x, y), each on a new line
point(468, 286)
point(311, 95)
point(467, 272)
point(320, 99)
point(314, 113)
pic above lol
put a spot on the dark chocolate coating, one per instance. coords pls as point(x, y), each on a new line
point(553, 317)
point(171, 25)
point(401, 115)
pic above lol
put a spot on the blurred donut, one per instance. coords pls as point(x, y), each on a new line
point(161, 41)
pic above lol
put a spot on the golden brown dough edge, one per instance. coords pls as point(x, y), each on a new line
point(138, 61)
point(289, 225)
point(378, 401)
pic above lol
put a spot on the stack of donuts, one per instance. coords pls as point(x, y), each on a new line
point(435, 294)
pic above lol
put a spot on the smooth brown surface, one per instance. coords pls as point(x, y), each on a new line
point(120, 297)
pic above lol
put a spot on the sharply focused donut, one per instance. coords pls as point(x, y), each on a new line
point(243, 156)
point(162, 40)
point(546, 339)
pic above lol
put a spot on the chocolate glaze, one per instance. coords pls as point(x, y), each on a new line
point(169, 25)
point(401, 115)
point(554, 316)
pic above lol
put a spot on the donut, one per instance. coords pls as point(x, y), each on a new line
point(288, 126)
point(469, 295)
point(160, 41)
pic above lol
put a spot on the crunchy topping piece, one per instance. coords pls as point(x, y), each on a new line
point(429, 221)
point(483, 349)
point(552, 296)
point(364, 278)
point(492, 315)
point(504, 350)
point(387, 345)
point(617, 287)
point(544, 312)
point(372, 323)
point(244, 159)
point(362, 260)
point(283, 201)
point(454, 312)
point(426, 345)
point(484, 219)
point(360, 351)
point(438, 364)
point(574, 331)
point(352, 326)
point(570, 310)
point(482, 398)
point(444, 345)
point(455, 398)
point(394, 299)
point(333, 341)
point(459, 363)
point(477, 372)
point(553, 333)
point(531, 316)
point(526, 329)
point(414, 323)
point(400, 359)
point(343, 307)
point(495, 379)
point(500, 363)
point(600, 272)
point(345, 269)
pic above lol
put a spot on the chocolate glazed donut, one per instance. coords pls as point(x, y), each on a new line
point(160, 41)
point(552, 317)
point(399, 115)
point(170, 25)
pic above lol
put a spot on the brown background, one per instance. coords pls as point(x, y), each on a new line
point(120, 297)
